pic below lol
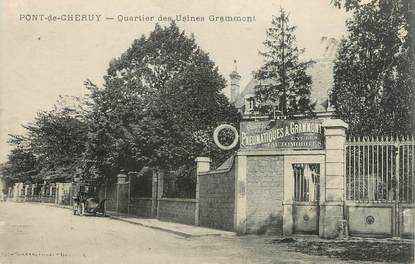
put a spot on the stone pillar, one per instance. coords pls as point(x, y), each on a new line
point(16, 191)
point(202, 165)
point(32, 191)
point(157, 192)
point(288, 204)
point(240, 195)
point(160, 184)
point(332, 182)
point(57, 192)
point(121, 179)
point(60, 191)
point(26, 191)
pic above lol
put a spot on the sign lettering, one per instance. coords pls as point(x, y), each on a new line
point(282, 134)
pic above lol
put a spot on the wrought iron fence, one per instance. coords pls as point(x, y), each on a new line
point(380, 169)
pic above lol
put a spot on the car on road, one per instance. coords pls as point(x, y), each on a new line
point(86, 200)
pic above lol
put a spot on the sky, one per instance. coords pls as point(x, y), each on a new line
point(42, 59)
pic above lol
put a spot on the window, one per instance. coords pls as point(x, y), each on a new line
point(306, 182)
point(249, 103)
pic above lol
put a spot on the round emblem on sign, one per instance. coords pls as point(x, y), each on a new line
point(370, 220)
point(306, 218)
point(216, 136)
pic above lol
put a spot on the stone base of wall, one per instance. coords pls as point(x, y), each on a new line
point(330, 215)
point(48, 199)
point(177, 210)
point(141, 207)
point(169, 209)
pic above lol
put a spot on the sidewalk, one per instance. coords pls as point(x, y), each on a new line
point(175, 228)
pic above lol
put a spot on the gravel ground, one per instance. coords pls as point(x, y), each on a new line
point(399, 251)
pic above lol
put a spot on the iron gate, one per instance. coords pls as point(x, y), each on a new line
point(379, 186)
point(306, 197)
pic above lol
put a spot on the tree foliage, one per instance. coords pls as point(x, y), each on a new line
point(53, 144)
point(373, 84)
point(159, 105)
point(284, 83)
point(22, 164)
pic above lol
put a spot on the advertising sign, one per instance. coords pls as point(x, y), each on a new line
point(281, 134)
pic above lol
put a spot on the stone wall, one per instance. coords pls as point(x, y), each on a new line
point(264, 194)
point(48, 199)
point(141, 207)
point(22, 198)
point(177, 210)
point(217, 199)
point(33, 198)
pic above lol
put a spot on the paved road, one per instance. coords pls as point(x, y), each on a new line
point(35, 233)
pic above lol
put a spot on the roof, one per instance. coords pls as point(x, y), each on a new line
point(249, 89)
point(227, 165)
point(224, 167)
point(322, 81)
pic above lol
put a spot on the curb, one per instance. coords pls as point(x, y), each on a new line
point(182, 234)
point(57, 205)
point(185, 235)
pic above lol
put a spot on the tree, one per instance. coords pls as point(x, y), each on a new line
point(58, 139)
point(54, 144)
point(22, 164)
point(159, 105)
point(373, 83)
point(283, 79)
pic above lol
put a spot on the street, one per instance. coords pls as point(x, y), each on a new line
point(38, 233)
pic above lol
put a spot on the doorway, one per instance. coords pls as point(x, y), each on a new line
point(306, 197)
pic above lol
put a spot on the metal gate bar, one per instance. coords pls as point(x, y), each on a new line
point(379, 174)
point(380, 169)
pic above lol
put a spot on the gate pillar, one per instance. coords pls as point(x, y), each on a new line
point(157, 191)
point(202, 165)
point(332, 185)
point(122, 193)
point(240, 217)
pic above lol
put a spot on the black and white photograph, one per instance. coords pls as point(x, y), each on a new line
point(193, 132)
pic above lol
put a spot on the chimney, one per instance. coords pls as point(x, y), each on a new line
point(235, 78)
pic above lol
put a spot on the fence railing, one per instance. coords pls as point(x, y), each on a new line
point(380, 169)
point(35, 198)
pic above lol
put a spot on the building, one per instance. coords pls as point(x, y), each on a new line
point(302, 176)
point(322, 81)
